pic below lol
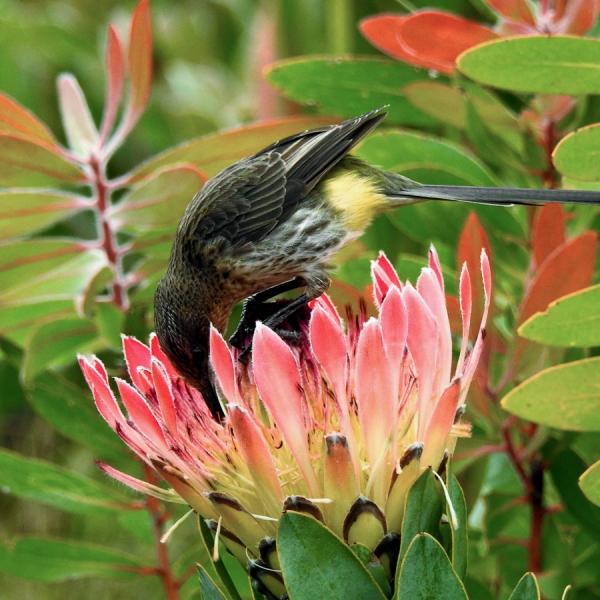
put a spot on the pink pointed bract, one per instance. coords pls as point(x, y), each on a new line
point(315, 427)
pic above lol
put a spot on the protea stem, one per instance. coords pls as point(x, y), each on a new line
point(157, 514)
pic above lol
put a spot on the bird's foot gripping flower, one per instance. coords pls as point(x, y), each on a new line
point(339, 427)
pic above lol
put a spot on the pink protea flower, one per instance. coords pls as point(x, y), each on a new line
point(339, 427)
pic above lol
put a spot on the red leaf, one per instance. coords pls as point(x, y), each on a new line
point(579, 16)
point(115, 71)
point(568, 269)
point(516, 10)
point(559, 8)
point(454, 316)
point(17, 120)
point(473, 238)
point(381, 31)
point(439, 38)
point(548, 231)
point(140, 60)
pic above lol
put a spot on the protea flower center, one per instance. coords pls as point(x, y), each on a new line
point(338, 427)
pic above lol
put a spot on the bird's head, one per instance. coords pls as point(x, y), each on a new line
point(182, 331)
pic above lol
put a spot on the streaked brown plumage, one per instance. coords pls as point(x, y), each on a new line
point(271, 223)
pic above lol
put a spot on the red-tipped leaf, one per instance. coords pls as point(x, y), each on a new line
point(17, 120)
point(473, 239)
point(115, 78)
point(139, 61)
point(31, 162)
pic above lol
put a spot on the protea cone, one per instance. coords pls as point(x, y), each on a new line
point(339, 426)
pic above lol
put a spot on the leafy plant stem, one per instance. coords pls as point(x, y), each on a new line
point(107, 237)
point(513, 454)
point(158, 516)
point(533, 485)
point(479, 452)
point(494, 391)
point(549, 175)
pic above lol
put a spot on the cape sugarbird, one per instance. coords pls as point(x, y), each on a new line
point(270, 223)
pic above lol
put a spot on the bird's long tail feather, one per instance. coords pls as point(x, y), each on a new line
point(491, 195)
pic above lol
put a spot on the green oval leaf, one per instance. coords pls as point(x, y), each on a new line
point(536, 64)
point(29, 163)
point(55, 344)
point(52, 561)
point(350, 86)
point(212, 153)
point(19, 320)
point(99, 279)
point(208, 588)
point(500, 121)
point(13, 397)
point(159, 201)
point(110, 323)
point(573, 320)
point(433, 160)
point(423, 510)
point(410, 153)
point(25, 211)
point(460, 540)
point(39, 270)
point(565, 397)
point(589, 483)
point(71, 411)
point(483, 137)
point(440, 100)
point(565, 468)
point(216, 568)
point(426, 573)
point(526, 589)
point(578, 154)
point(41, 481)
point(306, 546)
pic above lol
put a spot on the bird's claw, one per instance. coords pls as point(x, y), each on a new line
point(288, 335)
point(242, 335)
point(245, 349)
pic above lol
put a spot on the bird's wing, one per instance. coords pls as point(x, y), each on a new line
point(311, 154)
point(243, 203)
point(246, 201)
